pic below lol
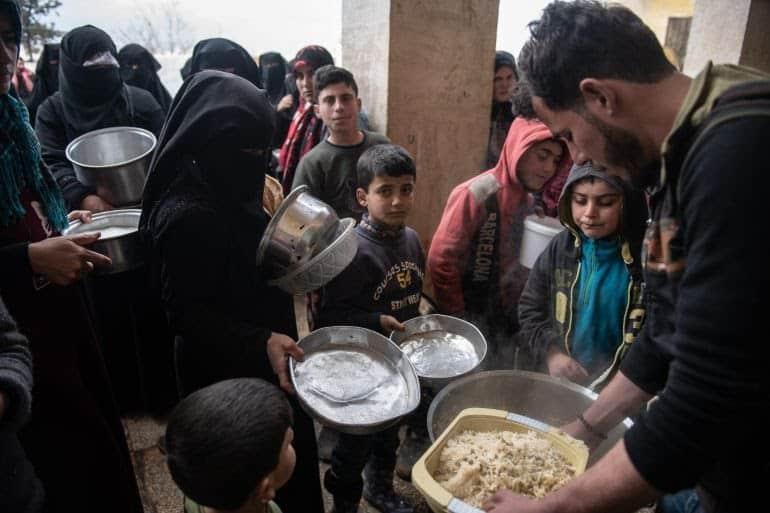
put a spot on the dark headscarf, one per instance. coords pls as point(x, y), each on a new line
point(274, 69)
point(46, 78)
point(313, 56)
point(21, 166)
point(140, 69)
point(90, 95)
point(221, 53)
point(186, 69)
point(213, 116)
point(503, 58)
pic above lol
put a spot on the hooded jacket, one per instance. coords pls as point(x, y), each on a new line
point(547, 305)
point(474, 255)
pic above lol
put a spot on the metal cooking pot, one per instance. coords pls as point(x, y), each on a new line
point(119, 238)
point(300, 229)
point(113, 160)
point(539, 396)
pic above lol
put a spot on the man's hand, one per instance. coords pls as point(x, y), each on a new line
point(95, 204)
point(63, 260)
point(389, 323)
point(506, 501)
point(84, 216)
point(285, 103)
point(562, 366)
point(279, 348)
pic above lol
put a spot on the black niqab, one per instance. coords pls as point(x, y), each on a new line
point(140, 69)
point(90, 95)
point(46, 78)
point(274, 69)
point(213, 117)
point(220, 54)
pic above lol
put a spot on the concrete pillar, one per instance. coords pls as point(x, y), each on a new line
point(425, 74)
point(729, 32)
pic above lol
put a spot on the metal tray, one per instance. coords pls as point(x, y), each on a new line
point(354, 380)
point(457, 349)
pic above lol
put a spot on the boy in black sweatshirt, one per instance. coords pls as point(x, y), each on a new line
point(379, 290)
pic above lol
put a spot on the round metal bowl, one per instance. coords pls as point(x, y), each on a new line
point(113, 160)
point(322, 268)
point(119, 238)
point(354, 380)
point(301, 228)
point(447, 362)
point(539, 396)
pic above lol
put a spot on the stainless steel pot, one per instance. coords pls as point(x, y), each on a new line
point(119, 238)
point(113, 160)
point(300, 229)
point(539, 396)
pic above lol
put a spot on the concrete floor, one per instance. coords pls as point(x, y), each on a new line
point(160, 495)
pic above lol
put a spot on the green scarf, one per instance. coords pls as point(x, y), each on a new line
point(21, 167)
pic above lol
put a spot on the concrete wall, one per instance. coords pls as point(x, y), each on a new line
point(366, 51)
point(439, 94)
point(425, 70)
point(756, 44)
point(717, 33)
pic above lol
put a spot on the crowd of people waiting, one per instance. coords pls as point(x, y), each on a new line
point(652, 295)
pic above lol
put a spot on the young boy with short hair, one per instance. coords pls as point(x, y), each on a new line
point(379, 290)
point(228, 447)
point(329, 169)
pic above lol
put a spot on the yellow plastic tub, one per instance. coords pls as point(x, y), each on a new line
point(483, 419)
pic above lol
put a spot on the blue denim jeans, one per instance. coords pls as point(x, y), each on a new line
point(685, 501)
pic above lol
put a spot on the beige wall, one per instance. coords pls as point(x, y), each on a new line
point(656, 13)
point(365, 51)
point(434, 76)
point(729, 32)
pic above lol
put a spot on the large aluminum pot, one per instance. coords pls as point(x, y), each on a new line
point(452, 366)
point(119, 238)
point(539, 396)
point(113, 160)
point(300, 229)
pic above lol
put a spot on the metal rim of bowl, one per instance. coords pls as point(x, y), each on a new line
point(88, 135)
point(537, 376)
point(135, 212)
point(379, 425)
point(431, 380)
point(274, 221)
point(345, 233)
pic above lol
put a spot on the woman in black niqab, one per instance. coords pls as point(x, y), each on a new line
point(46, 78)
point(225, 55)
point(90, 94)
point(202, 219)
point(274, 69)
point(140, 69)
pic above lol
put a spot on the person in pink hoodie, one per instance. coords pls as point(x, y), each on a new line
point(473, 260)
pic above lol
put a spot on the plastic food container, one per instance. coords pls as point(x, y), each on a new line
point(483, 419)
point(538, 232)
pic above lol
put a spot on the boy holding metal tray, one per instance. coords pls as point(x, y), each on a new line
point(379, 290)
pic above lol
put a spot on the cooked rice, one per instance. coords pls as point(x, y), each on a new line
point(474, 465)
